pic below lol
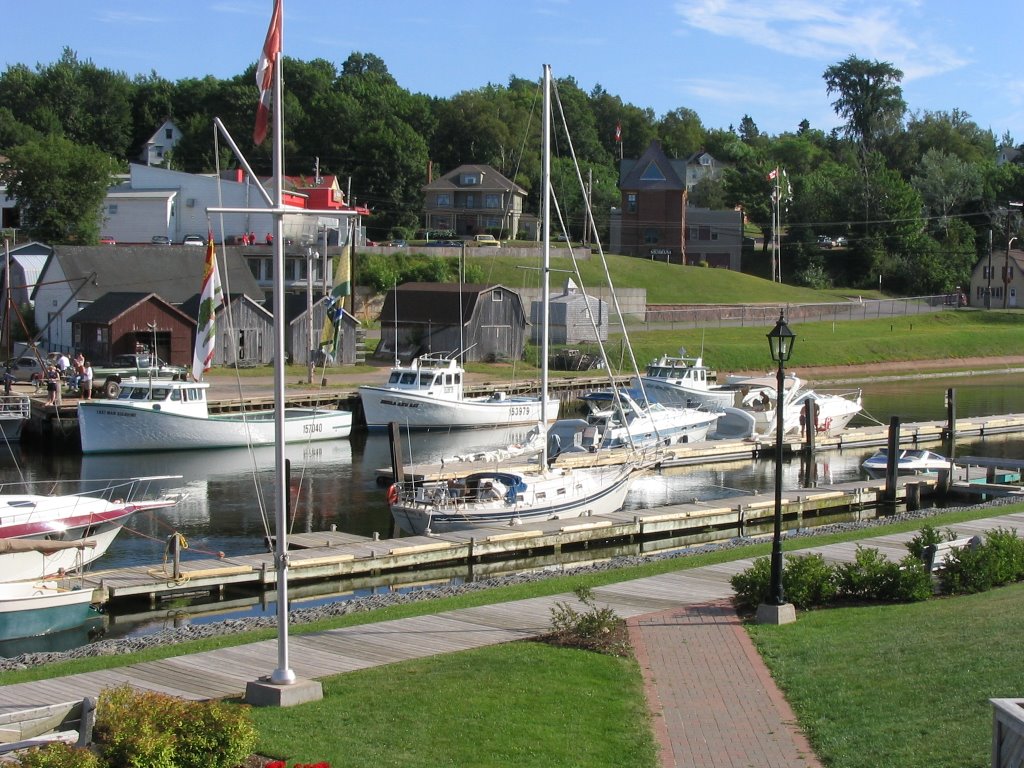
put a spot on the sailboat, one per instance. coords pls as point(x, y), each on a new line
point(503, 497)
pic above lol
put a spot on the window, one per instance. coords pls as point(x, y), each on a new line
point(631, 202)
point(704, 232)
point(168, 133)
point(496, 295)
point(492, 201)
point(112, 209)
point(652, 173)
point(443, 200)
point(470, 201)
point(470, 180)
point(651, 235)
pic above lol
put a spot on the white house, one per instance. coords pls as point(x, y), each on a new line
point(160, 143)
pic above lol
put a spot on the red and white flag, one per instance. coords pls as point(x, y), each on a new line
point(618, 132)
point(774, 173)
point(265, 73)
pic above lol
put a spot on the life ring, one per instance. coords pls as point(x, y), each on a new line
point(393, 494)
point(826, 426)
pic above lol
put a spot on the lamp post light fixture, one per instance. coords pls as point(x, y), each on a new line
point(1010, 207)
point(777, 611)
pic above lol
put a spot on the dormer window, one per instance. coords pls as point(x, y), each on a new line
point(470, 179)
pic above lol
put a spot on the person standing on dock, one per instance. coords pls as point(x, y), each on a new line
point(53, 386)
point(85, 383)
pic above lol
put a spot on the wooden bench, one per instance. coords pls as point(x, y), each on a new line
point(71, 722)
point(934, 555)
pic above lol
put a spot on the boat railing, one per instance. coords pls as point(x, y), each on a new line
point(17, 406)
point(120, 489)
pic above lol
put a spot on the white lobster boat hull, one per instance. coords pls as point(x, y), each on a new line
point(413, 411)
point(110, 426)
point(30, 610)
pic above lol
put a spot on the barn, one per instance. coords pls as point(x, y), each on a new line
point(299, 335)
point(123, 322)
point(483, 322)
point(572, 317)
point(245, 331)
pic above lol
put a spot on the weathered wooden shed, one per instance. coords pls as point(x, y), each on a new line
point(484, 322)
point(572, 317)
point(297, 340)
point(122, 323)
point(245, 331)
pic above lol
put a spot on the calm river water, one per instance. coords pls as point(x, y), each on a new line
point(221, 511)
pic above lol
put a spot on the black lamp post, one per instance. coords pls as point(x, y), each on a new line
point(780, 341)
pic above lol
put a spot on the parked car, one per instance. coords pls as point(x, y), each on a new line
point(397, 243)
point(193, 240)
point(489, 240)
point(160, 240)
point(824, 241)
point(445, 244)
point(841, 242)
point(26, 368)
point(107, 240)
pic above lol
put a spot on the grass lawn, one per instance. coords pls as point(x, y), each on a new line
point(520, 704)
point(902, 685)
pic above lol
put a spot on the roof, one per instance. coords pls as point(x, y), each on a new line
point(440, 303)
point(31, 264)
point(491, 179)
point(191, 306)
point(174, 273)
point(652, 171)
point(112, 305)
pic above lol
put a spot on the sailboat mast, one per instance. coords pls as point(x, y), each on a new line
point(283, 674)
point(545, 185)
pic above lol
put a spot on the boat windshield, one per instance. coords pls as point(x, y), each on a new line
point(408, 378)
point(427, 380)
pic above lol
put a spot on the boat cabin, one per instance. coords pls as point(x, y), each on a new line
point(434, 376)
point(680, 370)
point(184, 397)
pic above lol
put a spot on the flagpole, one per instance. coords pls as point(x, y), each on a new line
point(283, 675)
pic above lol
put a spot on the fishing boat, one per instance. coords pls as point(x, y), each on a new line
point(684, 382)
point(44, 534)
point(428, 394)
point(163, 415)
point(516, 496)
point(30, 609)
point(908, 462)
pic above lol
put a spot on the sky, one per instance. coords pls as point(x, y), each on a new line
point(723, 59)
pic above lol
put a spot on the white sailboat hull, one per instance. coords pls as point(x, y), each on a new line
point(414, 411)
point(553, 495)
point(109, 426)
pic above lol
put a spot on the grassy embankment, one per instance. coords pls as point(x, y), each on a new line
point(871, 685)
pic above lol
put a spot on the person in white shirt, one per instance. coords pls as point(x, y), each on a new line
point(85, 385)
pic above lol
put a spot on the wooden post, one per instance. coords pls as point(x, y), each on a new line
point(176, 554)
point(913, 496)
point(397, 466)
point(951, 423)
point(889, 494)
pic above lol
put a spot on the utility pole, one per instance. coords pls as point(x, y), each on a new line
point(1006, 268)
point(988, 285)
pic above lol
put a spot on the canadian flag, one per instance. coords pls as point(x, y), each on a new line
point(265, 73)
point(774, 173)
point(618, 131)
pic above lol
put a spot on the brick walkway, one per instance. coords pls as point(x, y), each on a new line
point(712, 700)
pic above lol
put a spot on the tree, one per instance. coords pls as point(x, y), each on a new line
point(869, 98)
point(945, 182)
point(60, 187)
point(681, 133)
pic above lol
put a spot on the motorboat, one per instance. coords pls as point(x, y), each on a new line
point(169, 415)
point(43, 534)
point(30, 609)
point(908, 462)
point(755, 408)
point(511, 497)
point(429, 394)
point(684, 382)
point(625, 418)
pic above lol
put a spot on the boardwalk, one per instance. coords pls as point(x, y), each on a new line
point(707, 689)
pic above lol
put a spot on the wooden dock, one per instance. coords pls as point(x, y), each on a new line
point(328, 555)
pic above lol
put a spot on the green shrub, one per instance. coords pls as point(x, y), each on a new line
point(59, 755)
point(808, 581)
point(596, 629)
point(751, 586)
point(996, 561)
point(143, 729)
point(869, 577)
point(914, 581)
point(928, 536)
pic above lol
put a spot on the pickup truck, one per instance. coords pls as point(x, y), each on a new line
point(106, 379)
